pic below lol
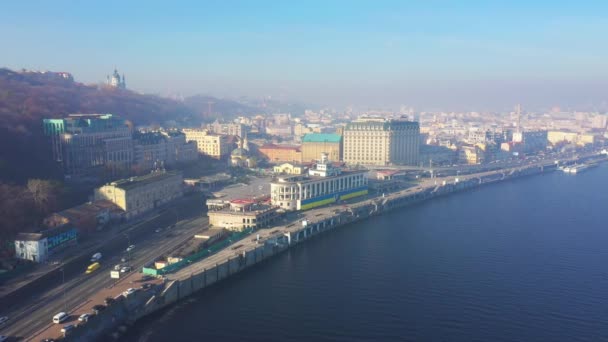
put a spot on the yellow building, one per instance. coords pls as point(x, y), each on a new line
point(313, 145)
point(556, 137)
point(209, 144)
point(138, 195)
point(290, 169)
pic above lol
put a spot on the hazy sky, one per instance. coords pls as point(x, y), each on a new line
point(430, 54)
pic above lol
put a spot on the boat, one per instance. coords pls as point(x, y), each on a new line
point(582, 167)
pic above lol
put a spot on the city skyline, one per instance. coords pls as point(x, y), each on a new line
point(468, 56)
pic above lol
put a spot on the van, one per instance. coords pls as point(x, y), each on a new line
point(96, 257)
point(60, 317)
point(92, 268)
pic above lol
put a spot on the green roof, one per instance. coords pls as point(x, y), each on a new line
point(322, 137)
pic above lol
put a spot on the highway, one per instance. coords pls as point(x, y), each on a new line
point(36, 313)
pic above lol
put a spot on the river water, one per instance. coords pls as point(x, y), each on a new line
point(525, 260)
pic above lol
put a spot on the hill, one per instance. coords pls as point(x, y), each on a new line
point(28, 97)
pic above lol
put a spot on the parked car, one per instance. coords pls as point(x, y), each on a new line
point(98, 308)
point(117, 267)
point(84, 317)
point(109, 300)
point(146, 277)
point(146, 286)
point(3, 320)
point(125, 269)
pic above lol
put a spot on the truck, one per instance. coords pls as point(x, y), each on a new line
point(96, 257)
point(92, 268)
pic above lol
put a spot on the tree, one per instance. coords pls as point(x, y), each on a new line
point(45, 194)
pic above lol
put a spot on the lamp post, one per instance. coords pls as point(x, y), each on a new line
point(128, 245)
point(65, 304)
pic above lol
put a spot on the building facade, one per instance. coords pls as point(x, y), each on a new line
point(209, 144)
point(281, 153)
point(377, 141)
point(86, 143)
point(323, 185)
point(242, 214)
point(226, 128)
point(314, 144)
point(139, 195)
point(155, 149)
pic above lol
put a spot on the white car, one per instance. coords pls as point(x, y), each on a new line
point(130, 248)
point(84, 317)
point(129, 291)
point(125, 269)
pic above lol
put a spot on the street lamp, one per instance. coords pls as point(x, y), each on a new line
point(128, 245)
point(65, 304)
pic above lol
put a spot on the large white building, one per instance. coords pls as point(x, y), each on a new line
point(323, 185)
point(378, 141)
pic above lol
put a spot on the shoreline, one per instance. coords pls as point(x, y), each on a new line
point(217, 267)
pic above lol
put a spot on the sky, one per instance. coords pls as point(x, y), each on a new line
point(426, 54)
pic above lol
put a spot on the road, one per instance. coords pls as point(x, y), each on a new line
point(36, 313)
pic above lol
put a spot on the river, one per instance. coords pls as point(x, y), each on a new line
point(524, 260)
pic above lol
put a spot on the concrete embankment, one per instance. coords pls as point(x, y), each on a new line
point(200, 275)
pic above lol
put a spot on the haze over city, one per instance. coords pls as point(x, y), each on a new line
point(465, 55)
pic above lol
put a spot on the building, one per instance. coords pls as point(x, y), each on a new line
point(470, 154)
point(279, 130)
point(224, 128)
point(281, 153)
point(209, 144)
point(38, 247)
point(290, 169)
point(241, 214)
point(323, 185)
point(87, 217)
point(116, 81)
point(156, 149)
point(87, 143)
point(532, 141)
point(314, 144)
point(565, 137)
point(378, 141)
point(139, 195)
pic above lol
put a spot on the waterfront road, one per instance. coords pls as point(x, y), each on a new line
point(37, 313)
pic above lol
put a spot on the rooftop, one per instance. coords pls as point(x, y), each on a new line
point(134, 182)
point(280, 147)
point(322, 137)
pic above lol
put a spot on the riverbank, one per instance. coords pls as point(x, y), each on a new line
point(276, 240)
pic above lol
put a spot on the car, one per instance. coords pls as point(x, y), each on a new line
point(129, 291)
point(84, 317)
point(47, 340)
point(130, 248)
point(117, 267)
point(125, 269)
point(67, 328)
point(3, 320)
point(158, 230)
point(146, 277)
point(109, 300)
point(98, 308)
point(123, 260)
point(146, 286)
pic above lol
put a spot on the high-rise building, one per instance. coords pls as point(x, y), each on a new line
point(153, 150)
point(84, 143)
point(379, 141)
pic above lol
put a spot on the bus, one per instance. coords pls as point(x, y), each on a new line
point(92, 268)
